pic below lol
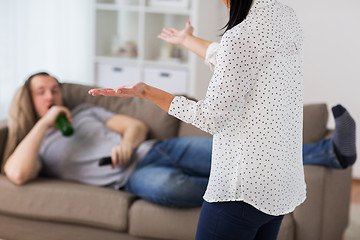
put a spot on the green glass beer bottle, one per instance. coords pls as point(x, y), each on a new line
point(63, 125)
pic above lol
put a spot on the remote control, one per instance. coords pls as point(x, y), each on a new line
point(105, 161)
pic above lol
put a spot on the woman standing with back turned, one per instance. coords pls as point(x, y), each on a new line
point(253, 108)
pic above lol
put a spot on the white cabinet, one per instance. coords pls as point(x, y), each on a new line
point(174, 81)
point(127, 49)
point(113, 76)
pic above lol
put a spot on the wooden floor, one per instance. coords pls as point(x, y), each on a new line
point(355, 191)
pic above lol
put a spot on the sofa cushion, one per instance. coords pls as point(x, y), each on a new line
point(314, 131)
point(12, 227)
point(58, 200)
point(154, 221)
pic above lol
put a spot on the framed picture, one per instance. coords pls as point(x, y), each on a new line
point(169, 3)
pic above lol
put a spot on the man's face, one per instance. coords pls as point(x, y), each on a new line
point(45, 91)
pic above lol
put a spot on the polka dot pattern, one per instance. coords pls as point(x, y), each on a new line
point(253, 108)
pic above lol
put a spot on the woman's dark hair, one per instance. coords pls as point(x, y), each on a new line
point(239, 9)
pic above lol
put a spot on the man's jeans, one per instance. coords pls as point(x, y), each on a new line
point(176, 171)
point(321, 153)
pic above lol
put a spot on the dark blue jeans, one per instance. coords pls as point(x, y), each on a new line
point(174, 173)
point(236, 221)
point(321, 153)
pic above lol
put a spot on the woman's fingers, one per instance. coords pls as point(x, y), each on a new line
point(133, 90)
point(173, 30)
point(102, 91)
point(170, 32)
point(171, 35)
point(125, 91)
point(164, 35)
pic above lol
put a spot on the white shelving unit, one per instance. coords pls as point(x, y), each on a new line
point(127, 49)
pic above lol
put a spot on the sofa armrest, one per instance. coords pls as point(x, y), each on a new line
point(325, 213)
point(3, 137)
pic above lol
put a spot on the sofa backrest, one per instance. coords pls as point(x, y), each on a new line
point(315, 122)
point(161, 125)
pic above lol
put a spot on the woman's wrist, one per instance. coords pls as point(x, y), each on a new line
point(196, 45)
point(187, 41)
point(159, 97)
point(146, 92)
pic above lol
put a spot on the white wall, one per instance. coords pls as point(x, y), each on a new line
point(38, 35)
point(332, 55)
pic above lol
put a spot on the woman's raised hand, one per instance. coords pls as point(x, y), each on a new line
point(132, 90)
point(175, 36)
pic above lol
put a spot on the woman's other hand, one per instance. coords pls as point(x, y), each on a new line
point(175, 36)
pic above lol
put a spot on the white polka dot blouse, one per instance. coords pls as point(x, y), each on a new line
point(253, 108)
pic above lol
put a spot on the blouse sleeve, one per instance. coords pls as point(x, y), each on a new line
point(210, 57)
point(234, 75)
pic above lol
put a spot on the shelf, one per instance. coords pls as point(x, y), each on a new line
point(156, 10)
point(156, 48)
point(116, 7)
point(117, 31)
point(135, 61)
point(116, 60)
point(168, 10)
point(167, 64)
point(118, 2)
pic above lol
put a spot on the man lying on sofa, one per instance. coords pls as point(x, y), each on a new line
point(172, 172)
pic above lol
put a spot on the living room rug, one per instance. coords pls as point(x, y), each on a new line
point(353, 230)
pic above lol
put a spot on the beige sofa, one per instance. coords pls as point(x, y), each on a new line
point(56, 209)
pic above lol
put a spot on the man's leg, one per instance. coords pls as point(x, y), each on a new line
point(340, 150)
point(344, 136)
point(174, 173)
point(321, 153)
point(192, 155)
point(167, 186)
